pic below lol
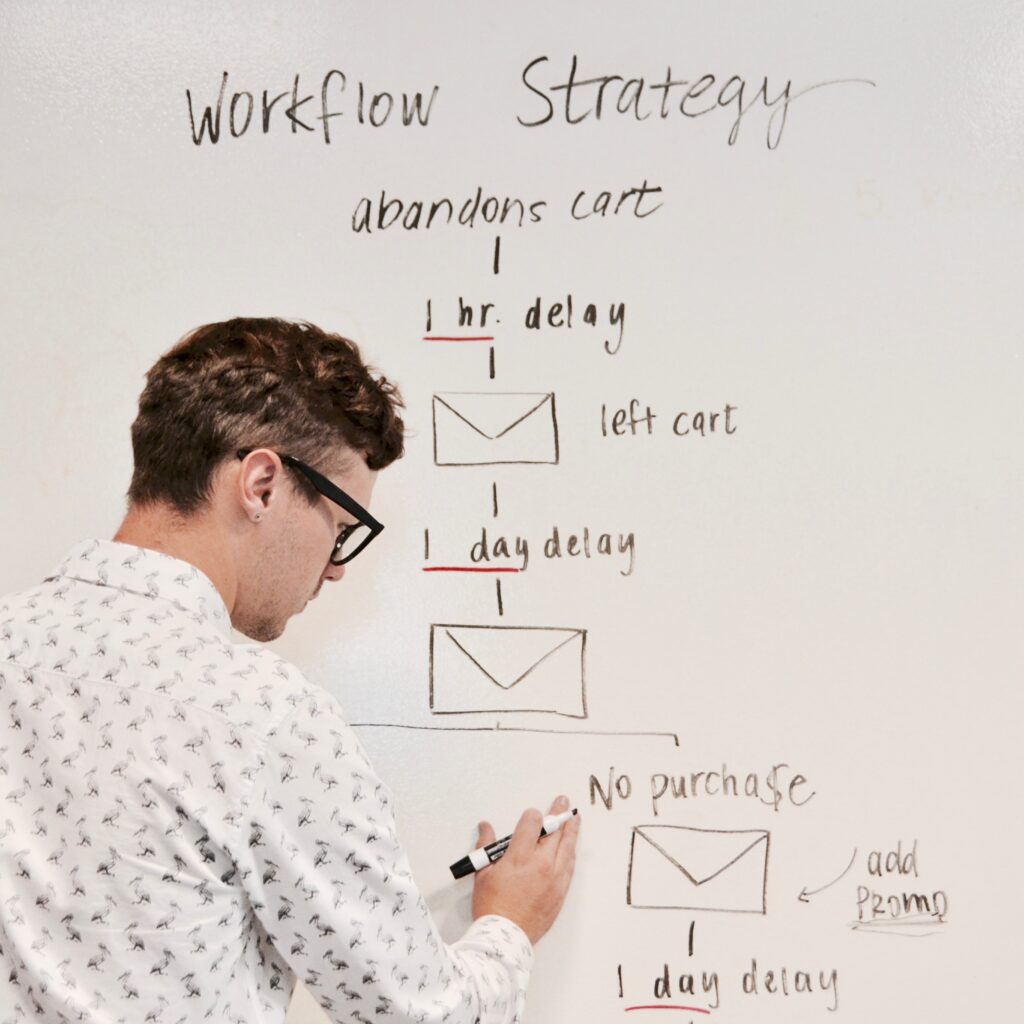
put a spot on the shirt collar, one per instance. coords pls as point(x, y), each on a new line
point(149, 574)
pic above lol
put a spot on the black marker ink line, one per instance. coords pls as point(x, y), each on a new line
point(805, 892)
point(635, 734)
point(922, 920)
point(898, 934)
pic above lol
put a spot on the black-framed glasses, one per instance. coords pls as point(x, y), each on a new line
point(355, 536)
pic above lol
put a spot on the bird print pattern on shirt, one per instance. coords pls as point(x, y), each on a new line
point(187, 825)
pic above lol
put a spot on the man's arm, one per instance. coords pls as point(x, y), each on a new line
point(320, 860)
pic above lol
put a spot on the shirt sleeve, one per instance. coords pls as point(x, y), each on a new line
point(320, 861)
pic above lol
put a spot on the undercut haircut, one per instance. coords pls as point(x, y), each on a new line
point(257, 383)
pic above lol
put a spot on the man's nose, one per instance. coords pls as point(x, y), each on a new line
point(334, 572)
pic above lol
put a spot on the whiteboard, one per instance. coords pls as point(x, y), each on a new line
point(780, 440)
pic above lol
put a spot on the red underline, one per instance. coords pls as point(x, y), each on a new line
point(437, 337)
point(462, 568)
point(688, 1009)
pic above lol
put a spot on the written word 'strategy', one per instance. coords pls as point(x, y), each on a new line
point(643, 99)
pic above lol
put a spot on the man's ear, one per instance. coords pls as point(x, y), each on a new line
point(260, 477)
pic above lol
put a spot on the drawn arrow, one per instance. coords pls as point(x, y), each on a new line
point(805, 894)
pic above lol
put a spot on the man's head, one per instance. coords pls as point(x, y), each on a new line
point(288, 395)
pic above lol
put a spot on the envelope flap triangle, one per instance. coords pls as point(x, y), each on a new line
point(701, 854)
point(507, 654)
point(493, 414)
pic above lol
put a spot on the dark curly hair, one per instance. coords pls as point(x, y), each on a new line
point(255, 383)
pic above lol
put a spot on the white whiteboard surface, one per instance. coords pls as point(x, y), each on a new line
point(825, 590)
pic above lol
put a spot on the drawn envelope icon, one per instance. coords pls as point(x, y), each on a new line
point(680, 868)
point(507, 668)
point(473, 429)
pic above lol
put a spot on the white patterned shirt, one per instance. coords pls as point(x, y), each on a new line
point(187, 825)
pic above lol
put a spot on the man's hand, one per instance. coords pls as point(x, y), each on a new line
point(528, 884)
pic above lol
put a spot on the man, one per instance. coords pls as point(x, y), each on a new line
point(187, 823)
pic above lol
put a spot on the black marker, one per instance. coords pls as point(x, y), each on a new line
point(485, 855)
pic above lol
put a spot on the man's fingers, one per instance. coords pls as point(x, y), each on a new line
point(550, 845)
point(529, 883)
point(565, 855)
point(486, 834)
point(526, 834)
point(560, 805)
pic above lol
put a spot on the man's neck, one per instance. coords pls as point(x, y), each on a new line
point(194, 540)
